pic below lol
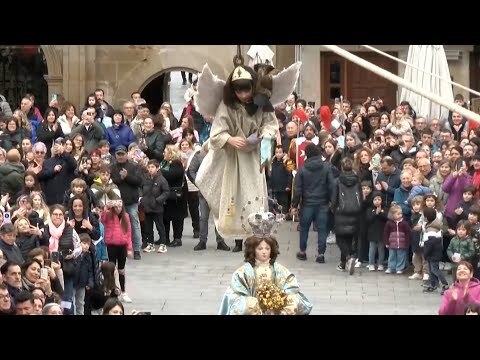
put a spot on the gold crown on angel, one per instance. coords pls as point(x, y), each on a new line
point(262, 223)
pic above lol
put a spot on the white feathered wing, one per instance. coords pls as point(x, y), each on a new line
point(284, 83)
point(210, 92)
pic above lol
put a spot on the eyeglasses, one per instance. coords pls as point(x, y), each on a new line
point(4, 297)
point(57, 214)
point(40, 152)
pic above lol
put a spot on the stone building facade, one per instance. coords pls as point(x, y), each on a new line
point(75, 70)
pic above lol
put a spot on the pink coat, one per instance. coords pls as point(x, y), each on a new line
point(113, 231)
point(457, 307)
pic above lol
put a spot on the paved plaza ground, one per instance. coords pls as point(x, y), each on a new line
point(184, 281)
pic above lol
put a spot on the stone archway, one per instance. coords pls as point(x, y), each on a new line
point(174, 58)
point(54, 65)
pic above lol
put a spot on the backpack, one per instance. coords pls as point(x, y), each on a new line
point(349, 199)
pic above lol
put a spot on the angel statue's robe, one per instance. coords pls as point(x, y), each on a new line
point(240, 297)
point(228, 178)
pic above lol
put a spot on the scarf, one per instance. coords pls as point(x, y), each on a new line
point(55, 234)
point(189, 108)
point(27, 284)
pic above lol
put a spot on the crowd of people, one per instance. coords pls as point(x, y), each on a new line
point(391, 188)
point(82, 190)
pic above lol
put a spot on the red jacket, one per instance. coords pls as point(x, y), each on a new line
point(113, 231)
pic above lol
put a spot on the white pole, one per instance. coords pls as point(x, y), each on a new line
point(417, 68)
point(399, 81)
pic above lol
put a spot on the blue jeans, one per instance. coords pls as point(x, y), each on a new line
point(318, 215)
point(397, 259)
point(436, 274)
point(372, 251)
point(132, 211)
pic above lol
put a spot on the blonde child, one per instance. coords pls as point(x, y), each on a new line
point(40, 206)
point(396, 236)
point(418, 188)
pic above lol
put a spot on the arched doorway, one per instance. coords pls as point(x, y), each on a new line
point(167, 86)
point(22, 70)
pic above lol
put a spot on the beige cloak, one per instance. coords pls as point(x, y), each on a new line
point(228, 178)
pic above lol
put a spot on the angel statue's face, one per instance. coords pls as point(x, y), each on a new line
point(244, 96)
point(262, 252)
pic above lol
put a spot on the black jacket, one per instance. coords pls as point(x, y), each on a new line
point(155, 193)
point(393, 181)
point(11, 252)
point(314, 184)
point(280, 178)
point(129, 186)
point(347, 224)
point(375, 224)
point(55, 184)
point(156, 142)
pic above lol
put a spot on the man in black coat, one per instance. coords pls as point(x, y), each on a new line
point(315, 186)
point(127, 176)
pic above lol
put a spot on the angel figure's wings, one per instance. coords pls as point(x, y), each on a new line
point(210, 92)
point(284, 83)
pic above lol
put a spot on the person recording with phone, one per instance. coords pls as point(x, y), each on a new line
point(57, 173)
point(49, 130)
point(63, 241)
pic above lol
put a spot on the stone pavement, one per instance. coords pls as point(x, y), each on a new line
point(177, 91)
point(184, 281)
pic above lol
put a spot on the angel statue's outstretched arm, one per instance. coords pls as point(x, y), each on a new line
point(284, 83)
point(210, 92)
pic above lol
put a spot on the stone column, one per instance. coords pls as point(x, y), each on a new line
point(55, 84)
point(74, 74)
point(310, 74)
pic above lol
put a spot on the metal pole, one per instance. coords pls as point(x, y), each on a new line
point(402, 82)
point(417, 68)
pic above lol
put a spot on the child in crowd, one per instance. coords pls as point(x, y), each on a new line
point(362, 246)
point(418, 189)
point(396, 236)
point(79, 187)
point(83, 280)
point(376, 218)
point(103, 187)
point(155, 193)
point(473, 219)
point(461, 247)
point(433, 249)
point(419, 263)
point(463, 207)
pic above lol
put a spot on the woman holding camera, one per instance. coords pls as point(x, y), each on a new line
point(64, 245)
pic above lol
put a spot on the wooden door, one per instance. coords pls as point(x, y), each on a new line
point(342, 77)
point(362, 83)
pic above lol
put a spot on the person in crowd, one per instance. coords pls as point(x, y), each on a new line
point(465, 290)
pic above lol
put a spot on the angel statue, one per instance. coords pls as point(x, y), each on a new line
point(241, 138)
